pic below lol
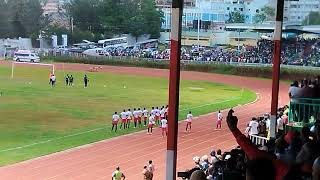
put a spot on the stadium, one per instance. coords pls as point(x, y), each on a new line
point(157, 110)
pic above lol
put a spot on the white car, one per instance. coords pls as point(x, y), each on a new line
point(26, 56)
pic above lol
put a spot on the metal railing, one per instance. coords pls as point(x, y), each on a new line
point(258, 140)
point(303, 109)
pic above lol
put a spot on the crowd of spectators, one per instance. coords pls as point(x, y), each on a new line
point(291, 156)
point(261, 125)
point(295, 51)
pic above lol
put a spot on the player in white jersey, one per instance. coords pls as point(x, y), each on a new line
point(129, 117)
point(139, 116)
point(123, 119)
point(115, 120)
point(150, 124)
point(157, 117)
point(219, 120)
point(135, 117)
point(145, 116)
point(162, 113)
point(164, 125)
point(167, 110)
point(189, 121)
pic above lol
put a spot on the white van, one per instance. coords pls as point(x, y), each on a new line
point(26, 56)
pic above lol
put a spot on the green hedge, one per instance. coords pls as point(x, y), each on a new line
point(287, 73)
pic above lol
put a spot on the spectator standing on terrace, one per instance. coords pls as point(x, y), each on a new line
point(280, 124)
point(219, 120)
point(189, 121)
point(294, 91)
point(118, 175)
point(253, 124)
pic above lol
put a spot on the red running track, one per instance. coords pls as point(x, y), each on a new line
point(131, 152)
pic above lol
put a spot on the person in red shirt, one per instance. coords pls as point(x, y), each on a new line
point(254, 153)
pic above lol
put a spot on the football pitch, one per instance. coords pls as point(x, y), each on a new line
point(37, 119)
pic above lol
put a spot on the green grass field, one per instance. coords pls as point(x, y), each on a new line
point(37, 120)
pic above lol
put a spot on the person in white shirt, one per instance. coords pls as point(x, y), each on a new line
point(219, 120)
point(189, 121)
point(123, 119)
point(157, 117)
point(135, 117)
point(167, 110)
point(115, 120)
point(280, 125)
point(253, 124)
point(129, 117)
point(151, 168)
point(153, 112)
point(139, 116)
point(162, 113)
point(145, 116)
point(150, 124)
point(164, 127)
point(267, 120)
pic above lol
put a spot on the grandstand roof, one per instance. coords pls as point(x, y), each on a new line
point(315, 29)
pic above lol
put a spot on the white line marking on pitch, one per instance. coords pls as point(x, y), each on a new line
point(97, 129)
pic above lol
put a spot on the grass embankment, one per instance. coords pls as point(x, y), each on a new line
point(42, 120)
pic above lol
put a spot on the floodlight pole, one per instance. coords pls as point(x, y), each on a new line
point(174, 83)
point(276, 67)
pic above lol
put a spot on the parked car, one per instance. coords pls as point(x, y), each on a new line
point(26, 56)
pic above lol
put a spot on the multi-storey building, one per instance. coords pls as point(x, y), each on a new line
point(296, 11)
point(211, 13)
point(55, 10)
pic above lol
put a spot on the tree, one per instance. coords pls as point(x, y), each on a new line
point(236, 17)
point(266, 13)
point(20, 18)
point(106, 18)
point(312, 19)
point(152, 17)
point(86, 14)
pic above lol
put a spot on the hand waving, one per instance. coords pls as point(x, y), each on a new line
point(232, 121)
